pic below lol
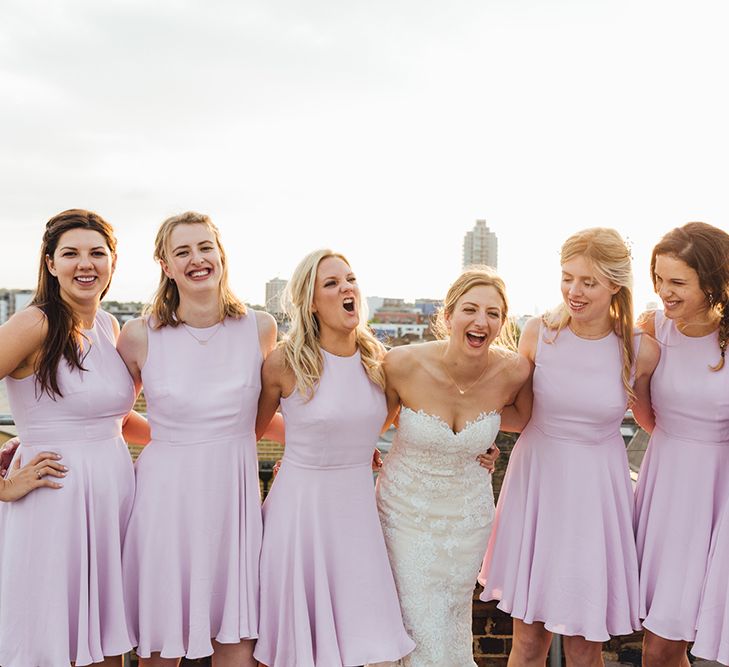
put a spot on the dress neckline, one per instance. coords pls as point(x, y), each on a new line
point(340, 356)
point(481, 417)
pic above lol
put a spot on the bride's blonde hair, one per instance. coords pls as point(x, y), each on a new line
point(302, 351)
point(475, 276)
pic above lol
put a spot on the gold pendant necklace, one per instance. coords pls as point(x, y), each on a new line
point(470, 386)
point(203, 341)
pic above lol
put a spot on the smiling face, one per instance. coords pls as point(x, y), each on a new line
point(476, 319)
point(678, 286)
point(586, 295)
point(192, 258)
point(336, 299)
point(83, 264)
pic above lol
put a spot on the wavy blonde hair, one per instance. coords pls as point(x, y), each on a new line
point(476, 276)
point(302, 351)
point(609, 256)
point(166, 300)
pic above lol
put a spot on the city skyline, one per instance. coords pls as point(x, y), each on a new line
point(381, 132)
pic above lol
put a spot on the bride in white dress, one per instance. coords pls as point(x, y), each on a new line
point(435, 498)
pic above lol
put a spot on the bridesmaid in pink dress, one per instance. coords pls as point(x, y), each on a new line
point(683, 486)
point(61, 596)
point(328, 597)
point(562, 556)
point(192, 548)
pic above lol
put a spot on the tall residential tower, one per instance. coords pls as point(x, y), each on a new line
point(480, 246)
point(274, 290)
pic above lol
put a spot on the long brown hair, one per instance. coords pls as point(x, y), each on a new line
point(610, 257)
point(64, 325)
point(166, 299)
point(705, 249)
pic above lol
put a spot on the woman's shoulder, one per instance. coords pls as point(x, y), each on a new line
point(275, 363)
point(405, 357)
point(511, 362)
point(31, 320)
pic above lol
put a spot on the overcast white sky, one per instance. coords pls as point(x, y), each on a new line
point(381, 128)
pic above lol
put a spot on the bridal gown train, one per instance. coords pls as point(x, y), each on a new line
point(436, 506)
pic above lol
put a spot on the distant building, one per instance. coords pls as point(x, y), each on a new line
point(13, 300)
point(392, 333)
point(374, 303)
point(480, 246)
point(274, 290)
point(396, 311)
point(428, 306)
point(123, 310)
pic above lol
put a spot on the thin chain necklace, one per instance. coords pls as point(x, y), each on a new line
point(203, 341)
point(470, 386)
point(596, 336)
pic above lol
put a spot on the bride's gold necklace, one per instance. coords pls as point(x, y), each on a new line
point(455, 384)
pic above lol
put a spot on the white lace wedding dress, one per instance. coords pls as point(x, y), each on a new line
point(436, 505)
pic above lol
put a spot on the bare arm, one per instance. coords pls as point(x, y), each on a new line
point(21, 338)
point(515, 416)
point(133, 342)
point(135, 429)
point(393, 364)
point(132, 347)
point(649, 354)
point(273, 374)
point(267, 331)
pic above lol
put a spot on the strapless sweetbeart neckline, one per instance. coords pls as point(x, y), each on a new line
point(446, 426)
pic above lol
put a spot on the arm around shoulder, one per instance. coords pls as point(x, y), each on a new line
point(516, 415)
point(646, 323)
point(649, 354)
point(132, 347)
point(395, 360)
point(272, 377)
point(529, 338)
point(267, 330)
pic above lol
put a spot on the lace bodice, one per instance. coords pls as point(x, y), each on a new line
point(425, 446)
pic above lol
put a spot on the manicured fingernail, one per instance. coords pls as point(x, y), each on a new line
point(64, 468)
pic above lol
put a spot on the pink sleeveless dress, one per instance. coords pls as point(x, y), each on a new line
point(683, 484)
point(712, 626)
point(192, 548)
point(61, 595)
point(328, 598)
point(562, 550)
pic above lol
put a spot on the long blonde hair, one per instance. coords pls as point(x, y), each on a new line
point(609, 256)
point(475, 276)
point(302, 351)
point(166, 300)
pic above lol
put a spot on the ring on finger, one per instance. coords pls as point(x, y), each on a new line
point(38, 474)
